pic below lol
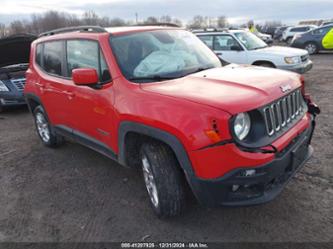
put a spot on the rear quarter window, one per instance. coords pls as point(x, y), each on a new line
point(52, 57)
point(39, 49)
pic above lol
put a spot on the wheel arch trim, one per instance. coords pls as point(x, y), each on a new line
point(165, 137)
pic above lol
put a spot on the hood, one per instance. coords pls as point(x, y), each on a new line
point(233, 88)
point(282, 51)
point(15, 49)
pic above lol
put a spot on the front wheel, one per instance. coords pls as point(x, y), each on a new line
point(311, 47)
point(44, 129)
point(163, 179)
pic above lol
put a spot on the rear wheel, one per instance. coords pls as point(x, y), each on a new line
point(48, 137)
point(163, 179)
point(311, 47)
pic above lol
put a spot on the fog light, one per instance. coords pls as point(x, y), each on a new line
point(235, 188)
point(248, 172)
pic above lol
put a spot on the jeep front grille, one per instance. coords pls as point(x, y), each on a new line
point(283, 112)
point(19, 84)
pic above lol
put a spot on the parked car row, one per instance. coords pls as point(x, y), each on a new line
point(310, 37)
point(288, 33)
point(319, 39)
point(243, 47)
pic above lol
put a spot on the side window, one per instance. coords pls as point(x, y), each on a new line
point(224, 42)
point(208, 40)
point(52, 57)
point(39, 49)
point(321, 31)
point(86, 54)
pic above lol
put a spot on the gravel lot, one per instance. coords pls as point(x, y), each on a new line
point(75, 194)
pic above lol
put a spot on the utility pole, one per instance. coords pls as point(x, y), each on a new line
point(136, 18)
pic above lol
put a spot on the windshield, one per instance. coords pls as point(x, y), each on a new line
point(250, 41)
point(162, 54)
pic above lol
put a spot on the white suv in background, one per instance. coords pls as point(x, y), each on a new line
point(243, 47)
point(289, 33)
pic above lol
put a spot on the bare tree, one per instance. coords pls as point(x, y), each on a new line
point(116, 22)
point(151, 20)
point(178, 22)
point(90, 18)
point(166, 19)
point(222, 22)
point(197, 22)
point(2, 30)
point(16, 27)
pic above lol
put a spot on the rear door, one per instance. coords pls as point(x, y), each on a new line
point(54, 89)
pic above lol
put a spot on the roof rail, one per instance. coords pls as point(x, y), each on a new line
point(166, 24)
point(210, 30)
point(94, 29)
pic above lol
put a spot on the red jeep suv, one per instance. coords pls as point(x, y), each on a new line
point(157, 98)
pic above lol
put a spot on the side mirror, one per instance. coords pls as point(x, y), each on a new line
point(235, 48)
point(85, 76)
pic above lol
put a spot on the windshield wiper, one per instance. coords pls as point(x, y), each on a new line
point(152, 78)
point(200, 69)
point(260, 47)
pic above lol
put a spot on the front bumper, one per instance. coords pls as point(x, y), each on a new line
point(11, 99)
point(237, 189)
point(299, 68)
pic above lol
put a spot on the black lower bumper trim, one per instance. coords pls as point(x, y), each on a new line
point(237, 188)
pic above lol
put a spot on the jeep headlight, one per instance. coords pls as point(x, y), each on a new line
point(292, 60)
point(3, 87)
point(242, 125)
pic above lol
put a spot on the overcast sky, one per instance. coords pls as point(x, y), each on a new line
point(237, 11)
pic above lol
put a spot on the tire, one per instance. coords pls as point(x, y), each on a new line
point(311, 47)
point(288, 41)
point(163, 179)
point(44, 129)
point(265, 64)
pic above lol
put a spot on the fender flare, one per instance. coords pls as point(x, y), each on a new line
point(167, 138)
point(31, 96)
point(163, 136)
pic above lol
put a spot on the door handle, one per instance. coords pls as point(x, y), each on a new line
point(69, 94)
point(39, 85)
point(218, 54)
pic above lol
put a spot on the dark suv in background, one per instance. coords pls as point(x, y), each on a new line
point(316, 40)
point(278, 32)
point(14, 58)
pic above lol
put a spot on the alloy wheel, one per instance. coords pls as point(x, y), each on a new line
point(42, 127)
point(311, 48)
point(150, 181)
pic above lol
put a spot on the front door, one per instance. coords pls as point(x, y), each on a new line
point(92, 106)
point(225, 47)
